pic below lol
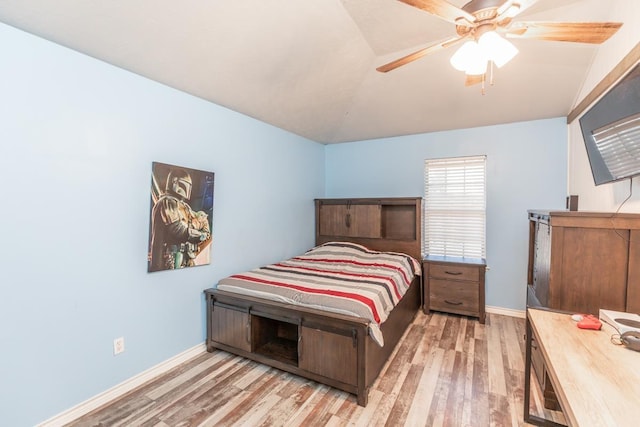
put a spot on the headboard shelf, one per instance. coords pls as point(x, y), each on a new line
point(383, 224)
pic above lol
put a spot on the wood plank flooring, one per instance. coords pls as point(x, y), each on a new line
point(447, 370)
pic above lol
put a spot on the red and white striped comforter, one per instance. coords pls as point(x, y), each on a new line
point(339, 277)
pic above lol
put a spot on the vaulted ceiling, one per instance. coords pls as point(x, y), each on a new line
point(308, 66)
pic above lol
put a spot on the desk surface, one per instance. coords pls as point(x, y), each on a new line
point(597, 382)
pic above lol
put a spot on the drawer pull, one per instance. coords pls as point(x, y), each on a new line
point(453, 273)
point(453, 303)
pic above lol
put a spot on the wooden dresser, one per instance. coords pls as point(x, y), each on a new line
point(454, 285)
point(584, 261)
point(580, 262)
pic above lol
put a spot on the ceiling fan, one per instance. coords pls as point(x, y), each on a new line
point(485, 23)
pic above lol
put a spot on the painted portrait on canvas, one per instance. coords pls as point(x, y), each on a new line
point(181, 210)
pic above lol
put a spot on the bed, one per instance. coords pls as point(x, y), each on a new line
point(335, 313)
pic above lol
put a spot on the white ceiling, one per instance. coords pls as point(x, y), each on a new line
point(308, 66)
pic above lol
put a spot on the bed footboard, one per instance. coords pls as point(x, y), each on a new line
point(329, 348)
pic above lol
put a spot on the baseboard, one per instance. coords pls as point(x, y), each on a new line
point(124, 387)
point(506, 311)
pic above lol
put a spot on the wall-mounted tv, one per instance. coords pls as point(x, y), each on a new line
point(611, 131)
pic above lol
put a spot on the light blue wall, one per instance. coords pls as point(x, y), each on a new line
point(526, 169)
point(77, 140)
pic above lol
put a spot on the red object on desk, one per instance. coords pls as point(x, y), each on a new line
point(590, 322)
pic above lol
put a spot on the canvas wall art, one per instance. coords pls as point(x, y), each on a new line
point(181, 217)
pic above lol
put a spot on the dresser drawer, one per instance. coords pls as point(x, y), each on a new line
point(453, 271)
point(454, 296)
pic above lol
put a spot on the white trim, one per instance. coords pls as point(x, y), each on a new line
point(126, 386)
point(506, 311)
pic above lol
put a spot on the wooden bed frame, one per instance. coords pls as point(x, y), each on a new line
point(330, 348)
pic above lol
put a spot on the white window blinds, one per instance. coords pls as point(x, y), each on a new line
point(455, 206)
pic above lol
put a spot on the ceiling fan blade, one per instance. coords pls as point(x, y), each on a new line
point(444, 10)
point(473, 80)
point(576, 32)
point(418, 54)
point(513, 7)
point(510, 9)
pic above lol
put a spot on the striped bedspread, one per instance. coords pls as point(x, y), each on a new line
point(339, 277)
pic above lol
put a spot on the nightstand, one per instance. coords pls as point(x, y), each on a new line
point(454, 285)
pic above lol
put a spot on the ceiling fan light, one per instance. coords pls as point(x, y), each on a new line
point(476, 68)
point(505, 54)
point(497, 49)
point(468, 55)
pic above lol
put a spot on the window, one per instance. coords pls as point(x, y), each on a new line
point(455, 206)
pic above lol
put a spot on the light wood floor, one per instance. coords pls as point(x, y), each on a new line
point(448, 370)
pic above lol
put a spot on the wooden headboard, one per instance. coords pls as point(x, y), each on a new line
point(382, 224)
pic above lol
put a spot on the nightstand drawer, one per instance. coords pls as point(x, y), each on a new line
point(454, 272)
point(454, 296)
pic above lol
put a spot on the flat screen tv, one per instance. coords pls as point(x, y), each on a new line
point(611, 131)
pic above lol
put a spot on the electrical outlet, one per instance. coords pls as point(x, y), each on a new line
point(118, 345)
